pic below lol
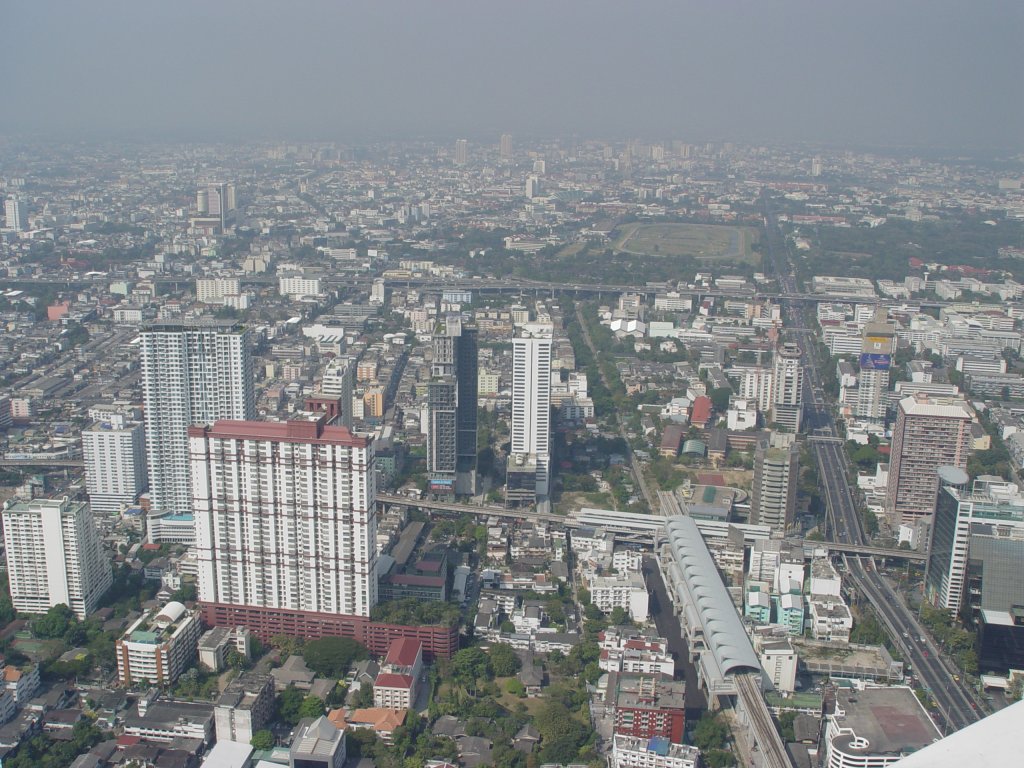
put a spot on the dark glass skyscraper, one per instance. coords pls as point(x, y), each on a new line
point(451, 409)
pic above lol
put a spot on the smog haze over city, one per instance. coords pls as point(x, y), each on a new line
point(918, 73)
point(511, 384)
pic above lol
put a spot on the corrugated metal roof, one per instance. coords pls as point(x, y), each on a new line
point(704, 589)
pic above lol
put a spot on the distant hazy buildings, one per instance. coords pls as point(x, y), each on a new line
point(14, 216)
point(54, 556)
point(930, 432)
point(505, 147)
point(461, 152)
point(192, 373)
point(216, 204)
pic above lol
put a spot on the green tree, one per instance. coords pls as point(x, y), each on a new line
point(289, 701)
point(720, 398)
point(311, 706)
point(719, 758)
point(786, 725)
point(710, 733)
point(363, 696)
point(504, 661)
point(332, 656)
point(561, 750)
point(555, 721)
point(286, 644)
point(262, 740)
point(469, 665)
point(618, 616)
point(515, 687)
point(55, 623)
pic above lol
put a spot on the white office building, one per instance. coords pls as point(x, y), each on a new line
point(114, 450)
point(992, 502)
point(755, 383)
point(192, 373)
point(14, 216)
point(338, 382)
point(159, 646)
point(214, 290)
point(285, 516)
point(657, 752)
point(779, 661)
point(531, 404)
point(54, 556)
point(298, 286)
point(628, 592)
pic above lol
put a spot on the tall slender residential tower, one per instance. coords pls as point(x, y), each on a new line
point(286, 521)
point(788, 387)
point(451, 409)
point(773, 495)
point(505, 149)
point(930, 432)
point(528, 475)
point(54, 556)
point(461, 152)
point(192, 373)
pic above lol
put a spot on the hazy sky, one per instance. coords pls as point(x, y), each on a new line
point(864, 72)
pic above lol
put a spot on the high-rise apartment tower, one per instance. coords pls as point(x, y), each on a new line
point(286, 517)
point(930, 432)
point(192, 373)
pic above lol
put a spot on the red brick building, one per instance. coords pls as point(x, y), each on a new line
point(648, 705)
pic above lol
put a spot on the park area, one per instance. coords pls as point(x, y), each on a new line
point(704, 242)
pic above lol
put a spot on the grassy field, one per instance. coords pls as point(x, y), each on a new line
point(704, 242)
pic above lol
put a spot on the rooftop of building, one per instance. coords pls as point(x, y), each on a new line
point(244, 690)
point(156, 627)
point(169, 714)
point(986, 742)
point(657, 745)
point(298, 431)
point(392, 680)
point(646, 692)
point(936, 406)
point(317, 737)
point(64, 505)
point(403, 652)
point(884, 721)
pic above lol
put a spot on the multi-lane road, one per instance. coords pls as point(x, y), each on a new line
point(953, 702)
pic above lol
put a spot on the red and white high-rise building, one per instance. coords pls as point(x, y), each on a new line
point(285, 517)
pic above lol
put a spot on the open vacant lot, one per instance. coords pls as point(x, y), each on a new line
point(705, 242)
